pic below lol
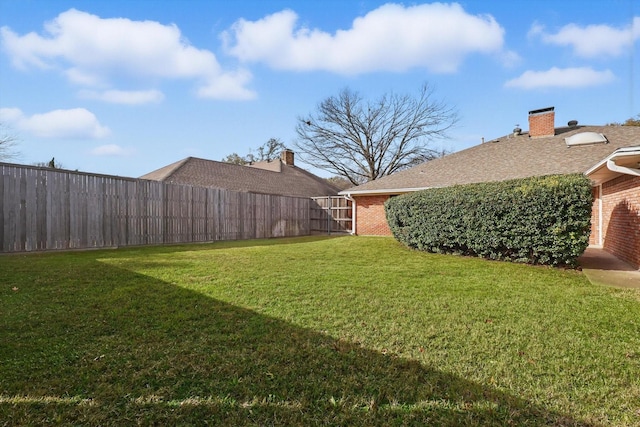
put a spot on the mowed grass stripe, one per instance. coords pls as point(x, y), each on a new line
point(311, 331)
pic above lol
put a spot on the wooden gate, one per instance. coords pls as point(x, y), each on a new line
point(331, 214)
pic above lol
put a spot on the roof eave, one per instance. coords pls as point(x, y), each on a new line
point(385, 191)
point(171, 169)
point(601, 172)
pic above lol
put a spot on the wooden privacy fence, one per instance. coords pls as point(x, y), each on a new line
point(331, 214)
point(43, 209)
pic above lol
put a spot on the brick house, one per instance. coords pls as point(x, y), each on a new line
point(279, 176)
point(544, 150)
point(615, 216)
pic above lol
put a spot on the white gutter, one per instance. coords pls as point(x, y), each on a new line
point(609, 163)
point(381, 192)
point(353, 213)
point(600, 214)
point(612, 166)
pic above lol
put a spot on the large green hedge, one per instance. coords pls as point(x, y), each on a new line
point(540, 220)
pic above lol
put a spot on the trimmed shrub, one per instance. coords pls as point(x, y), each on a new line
point(540, 220)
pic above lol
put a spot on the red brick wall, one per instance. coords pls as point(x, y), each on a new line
point(287, 157)
point(542, 124)
point(594, 237)
point(621, 218)
point(370, 217)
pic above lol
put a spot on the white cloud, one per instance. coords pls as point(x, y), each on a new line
point(125, 97)
point(561, 78)
point(592, 41)
point(225, 86)
point(10, 115)
point(110, 150)
point(92, 51)
point(391, 38)
point(510, 58)
point(535, 30)
point(75, 123)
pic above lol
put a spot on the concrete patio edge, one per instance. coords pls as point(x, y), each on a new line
point(604, 268)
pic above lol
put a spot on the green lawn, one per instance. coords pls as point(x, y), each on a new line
point(311, 331)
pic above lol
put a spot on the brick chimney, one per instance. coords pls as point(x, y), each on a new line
point(287, 157)
point(542, 122)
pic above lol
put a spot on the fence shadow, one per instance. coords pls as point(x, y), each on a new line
point(226, 244)
point(116, 347)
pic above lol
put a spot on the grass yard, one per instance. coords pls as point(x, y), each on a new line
point(311, 331)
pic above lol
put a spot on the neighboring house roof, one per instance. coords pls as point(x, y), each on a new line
point(509, 157)
point(276, 177)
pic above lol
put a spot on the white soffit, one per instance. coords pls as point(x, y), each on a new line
point(622, 161)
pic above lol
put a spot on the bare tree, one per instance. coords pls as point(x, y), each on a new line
point(339, 182)
point(235, 159)
point(268, 151)
point(632, 121)
point(366, 140)
point(8, 142)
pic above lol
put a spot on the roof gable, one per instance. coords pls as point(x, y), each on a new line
point(289, 181)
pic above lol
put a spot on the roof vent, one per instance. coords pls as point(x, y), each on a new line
point(585, 138)
point(572, 123)
point(517, 131)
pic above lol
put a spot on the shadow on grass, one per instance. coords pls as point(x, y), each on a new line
point(112, 347)
point(226, 244)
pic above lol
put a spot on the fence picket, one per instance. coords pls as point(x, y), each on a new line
point(46, 209)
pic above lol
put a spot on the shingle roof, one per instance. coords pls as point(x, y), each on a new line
point(506, 158)
point(290, 181)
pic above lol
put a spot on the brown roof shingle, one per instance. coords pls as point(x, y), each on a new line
point(506, 158)
point(290, 181)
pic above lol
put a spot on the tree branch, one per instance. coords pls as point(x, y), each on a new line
point(362, 140)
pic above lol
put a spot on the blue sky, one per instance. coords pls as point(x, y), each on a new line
point(125, 87)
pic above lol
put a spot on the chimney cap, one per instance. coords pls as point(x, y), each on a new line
point(541, 110)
